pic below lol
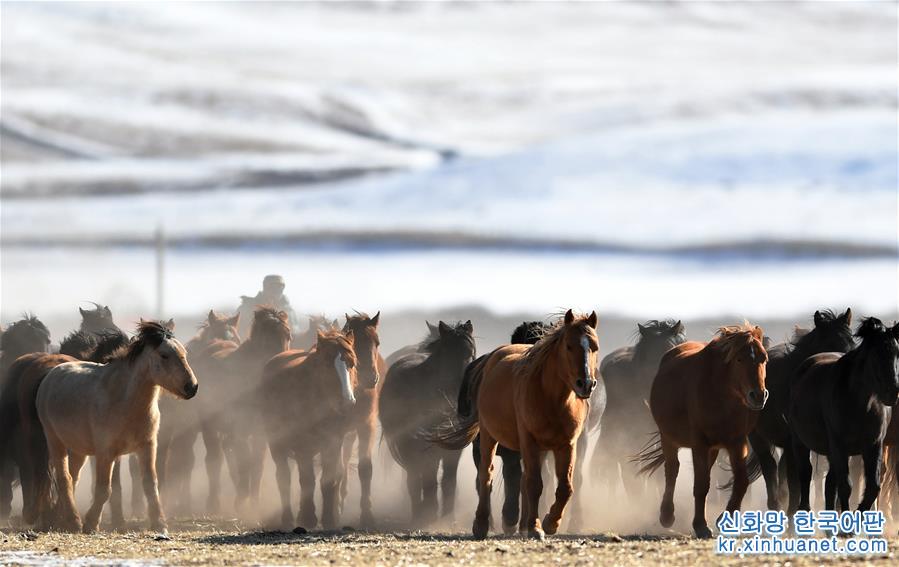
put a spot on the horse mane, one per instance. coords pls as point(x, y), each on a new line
point(149, 333)
point(731, 339)
point(431, 344)
point(669, 330)
point(340, 339)
point(109, 345)
point(802, 337)
point(12, 335)
point(529, 332)
point(78, 344)
point(873, 329)
point(535, 358)
point(269, 321)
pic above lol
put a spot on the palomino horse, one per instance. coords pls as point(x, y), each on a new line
point(22, 337)
point(106, 410)
point(307, 400)
point(532, 399)
point(364, 415)
point(707, 396)
point(831, 333)
point(29, 370)
point(180, 423)
point(628, 373)
point(416, 398)
point(229, 409)
point(841, 405)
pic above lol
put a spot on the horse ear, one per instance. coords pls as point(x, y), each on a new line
point(847, 316)
point(641, 329)
point(593, 320)
point(431, 328)
point(679, 327)
point(211, 316)
point(468, 326)
point(233, 321)
point(80, 310)
point(895, 331)
point(376, 319)
point(350, 336)
point(107, 311)
point(818, 318)
point(142, 321)
point(347, 317)
point(319, 334)
point(170, 324)
point(443, 328)
point(569, 317)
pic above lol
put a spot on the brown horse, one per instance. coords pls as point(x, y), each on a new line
point(180, 423)
point(307, 400)
point(532, 399)
point(364, 415)
point(105, 410)
point(707, 396)
point(229, 409)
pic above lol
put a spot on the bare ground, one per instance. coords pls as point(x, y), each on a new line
point(202, 542)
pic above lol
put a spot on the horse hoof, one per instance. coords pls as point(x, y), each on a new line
point(366, 521)
point(536, 533)
point(702, 532)
point(510, 529)
point(666, 516)
point(551, 526)
point(480, 528)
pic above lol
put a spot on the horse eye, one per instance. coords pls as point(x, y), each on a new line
point(164, 356)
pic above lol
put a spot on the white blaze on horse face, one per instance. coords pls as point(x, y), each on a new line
point(588, 368)
point(343, 374)
point(751, 352)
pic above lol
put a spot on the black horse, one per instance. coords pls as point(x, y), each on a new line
point(416, 398)
point(841, 405)
point(97, 320)
point(831, 333)
point(628, 373)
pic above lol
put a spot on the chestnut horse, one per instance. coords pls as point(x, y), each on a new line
point(707, 396)
point(364, 415)
point(105, 410)
point(229, 406)
point(307, 399)
point(532, 399)
point(180, 423)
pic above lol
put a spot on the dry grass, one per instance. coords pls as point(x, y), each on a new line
point(216, 543)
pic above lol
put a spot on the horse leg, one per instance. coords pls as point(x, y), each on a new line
point(184, 470)
point(576, 521)
point(347, 455)
point(702, 478)
point(306, 469)
point(450, 465)
point(872, 456)
point(6, 482)
point(257, 446)
point(672, 467)
point(59, 463)
point(762, 449)
point(214, 456)
point(282, 477)
point(102, 490)
point(429, 469)
point(803, 465)
point(565, 460)
point(138, 504)
point(366, 436)
point(413, 487)
point(512, 489)
point(737, 454)
point(819, 481)
point(147, 460)
point(856, 474)
point(791, 470)
point(115, 498)
point(830, 491)
point(331, 459)
point(481, 524)
point(533, 480)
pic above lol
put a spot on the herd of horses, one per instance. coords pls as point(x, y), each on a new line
point(313, 399)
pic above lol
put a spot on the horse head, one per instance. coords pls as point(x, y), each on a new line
point(579, 351)
point(97, 319)
point(337, 348)
point(366, 344)
point(744, 352)
point(220, 327)
point(880, 356)
point(156, 351)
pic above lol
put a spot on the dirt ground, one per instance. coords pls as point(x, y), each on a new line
point(221, 543)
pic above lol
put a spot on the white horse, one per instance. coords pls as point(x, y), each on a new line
point(108, 410)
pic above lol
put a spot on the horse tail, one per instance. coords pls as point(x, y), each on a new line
point(650, 458)
point(456, 435)
point(34, 467)
point(753, 470)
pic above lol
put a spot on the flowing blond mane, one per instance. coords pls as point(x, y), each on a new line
point(731, 339)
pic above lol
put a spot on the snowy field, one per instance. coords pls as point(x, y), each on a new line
point(645, 159)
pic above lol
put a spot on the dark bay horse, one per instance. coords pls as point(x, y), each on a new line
point(307, 400)
point(412, 349)
point(841, 405)
point(364, 415)
point(417, 396)
point(180, 423)
point(628, 373)
point(707, 396)
point(97, 320)
point(229, 409)
point(831, 333)
point(24, 336)
point(532, 399)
